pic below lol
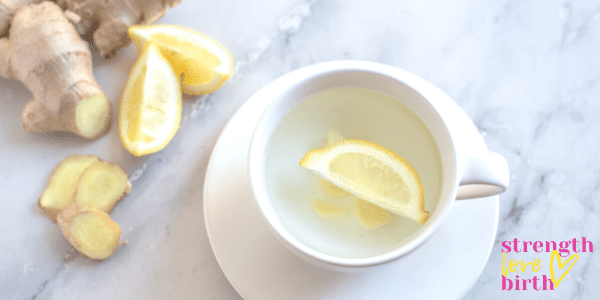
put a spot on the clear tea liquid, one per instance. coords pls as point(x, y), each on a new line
point(356, 114)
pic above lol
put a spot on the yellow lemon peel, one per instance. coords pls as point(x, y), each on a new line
point(150, 108)
point(202, 63)
point(373, 173)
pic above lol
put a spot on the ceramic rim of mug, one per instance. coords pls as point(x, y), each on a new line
point(300, 83)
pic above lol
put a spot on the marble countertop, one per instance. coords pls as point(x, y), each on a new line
point(526, 72)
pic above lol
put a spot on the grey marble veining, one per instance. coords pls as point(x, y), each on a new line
point(526, 72)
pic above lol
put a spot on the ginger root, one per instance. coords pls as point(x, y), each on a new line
point(8, 8)
point(45, 52)
point(86, 180)
point(108, 20)
point(92, 232)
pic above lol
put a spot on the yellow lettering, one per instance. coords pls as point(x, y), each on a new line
point(504, 270)
point(535, 264)
point(524, 266)
point(556, 254)
point(513, 263)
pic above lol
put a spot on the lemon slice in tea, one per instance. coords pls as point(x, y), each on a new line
point(373, 173)
point(329, 188)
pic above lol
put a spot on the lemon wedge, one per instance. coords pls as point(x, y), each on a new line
point(327, 210)
point(370, 215)
point(202, 63)
point(150, 108)
point(371, 172)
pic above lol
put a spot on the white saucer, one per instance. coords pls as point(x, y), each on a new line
point(259, 267)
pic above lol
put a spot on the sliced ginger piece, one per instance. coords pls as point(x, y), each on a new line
point(203, 63)
point(101, 186)
point(327, 210)
point(331, 190)
point(150, 108)
point(370, 215)
point(92, 232)
point(63, 183)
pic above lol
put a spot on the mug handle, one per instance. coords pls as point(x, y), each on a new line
point(483, 176)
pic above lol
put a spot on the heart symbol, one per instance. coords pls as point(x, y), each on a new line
point(556, 255)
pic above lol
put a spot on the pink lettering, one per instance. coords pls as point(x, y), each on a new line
point(535, 280)
point(547, 280)
point(505, 282)
point(585, 243)
point(506, 246)
point(574, 243)
point(564, 248)
point(516, 245)
point(538, 245)
point(548, 246)
point(525, 246)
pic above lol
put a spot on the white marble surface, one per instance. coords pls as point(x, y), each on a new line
point(526, 72)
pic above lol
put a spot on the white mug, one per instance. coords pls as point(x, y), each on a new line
point(461, 166)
